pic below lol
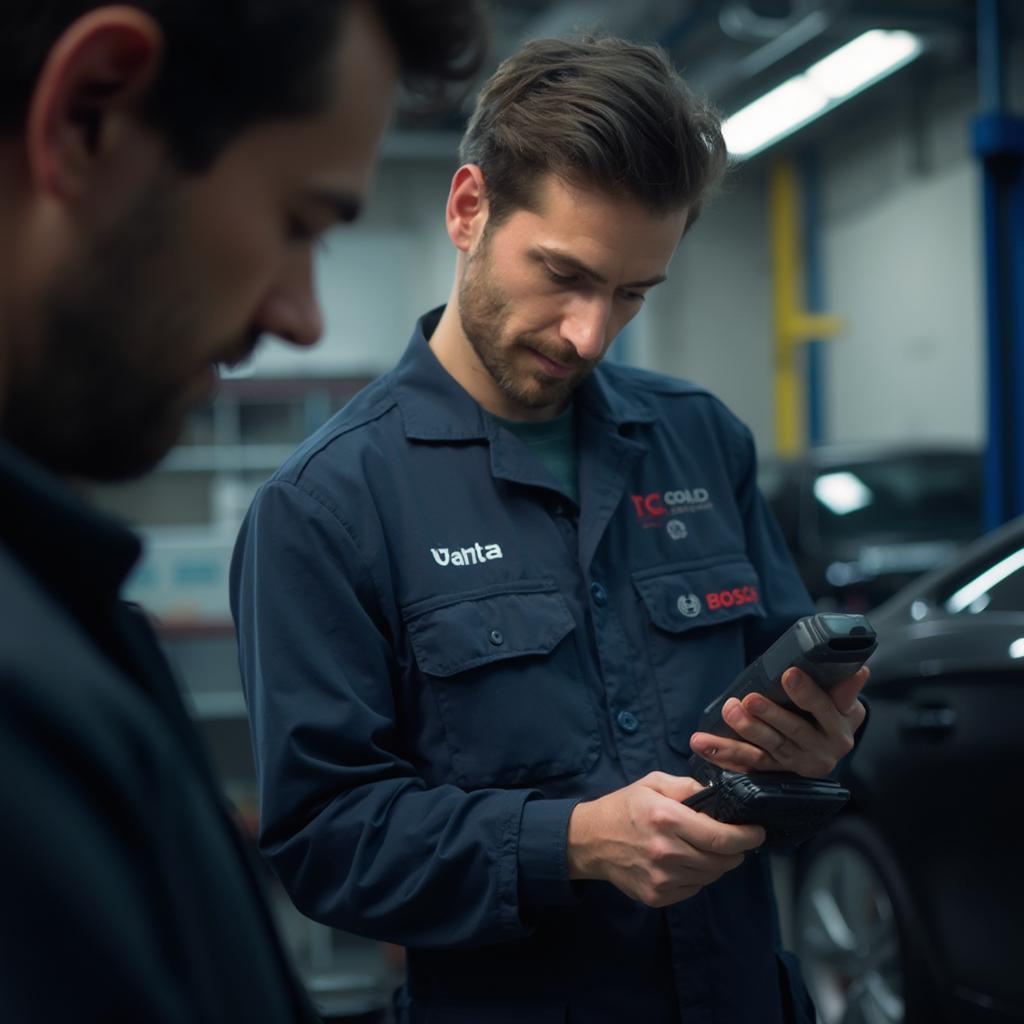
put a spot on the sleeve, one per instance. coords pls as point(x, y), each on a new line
point(80, 933)
point(354, 833)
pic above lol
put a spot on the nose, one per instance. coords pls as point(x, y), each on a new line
point(291, 310)
point(585, 326)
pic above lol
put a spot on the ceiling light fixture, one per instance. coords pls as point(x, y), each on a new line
point(822, 87)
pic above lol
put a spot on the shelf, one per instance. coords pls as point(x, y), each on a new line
point(226, 458)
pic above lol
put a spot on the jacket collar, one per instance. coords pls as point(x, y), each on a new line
point(435, 407)
point(77, 553)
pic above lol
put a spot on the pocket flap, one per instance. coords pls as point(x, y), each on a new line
point(477, 629)
point(699, 594)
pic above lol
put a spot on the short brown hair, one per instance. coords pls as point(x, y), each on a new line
point(601, 113)
point(230, 63)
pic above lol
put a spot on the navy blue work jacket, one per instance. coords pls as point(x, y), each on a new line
point(442, 655)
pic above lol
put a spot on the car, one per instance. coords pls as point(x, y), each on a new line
point(863, 520)
point(908, 908)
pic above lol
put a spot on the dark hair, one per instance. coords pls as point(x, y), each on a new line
point(601, 113)
point(231, 63)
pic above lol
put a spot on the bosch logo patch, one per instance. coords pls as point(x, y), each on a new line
point(731, 598)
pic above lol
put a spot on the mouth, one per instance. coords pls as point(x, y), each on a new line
point(551, 367)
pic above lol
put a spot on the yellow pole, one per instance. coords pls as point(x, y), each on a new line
point(794, 325)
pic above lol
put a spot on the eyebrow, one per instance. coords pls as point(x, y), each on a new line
point(344, 206)
point(543, 252)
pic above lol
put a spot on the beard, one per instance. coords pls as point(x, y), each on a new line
point(104, 391)
point(485, 312)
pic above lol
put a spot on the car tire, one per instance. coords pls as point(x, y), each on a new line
point(857, 936)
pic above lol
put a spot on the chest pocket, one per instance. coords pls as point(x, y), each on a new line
point(696, 612)
point(505, 672)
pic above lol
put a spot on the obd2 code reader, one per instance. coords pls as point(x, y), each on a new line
point(827, 647)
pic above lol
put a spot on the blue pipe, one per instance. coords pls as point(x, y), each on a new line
point(1015, 288)
point(814, 286)
point(998, 140)
point(991, 58)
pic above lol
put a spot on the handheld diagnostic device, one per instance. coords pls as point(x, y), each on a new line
point(829, 648)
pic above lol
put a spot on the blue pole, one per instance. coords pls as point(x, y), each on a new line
point(999, 143)
point(814, 285)
point(1015, 288)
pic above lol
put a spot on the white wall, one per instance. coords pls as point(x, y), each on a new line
point(901, 247)
point(377, 276)
point(712, 320)
point(903, 258)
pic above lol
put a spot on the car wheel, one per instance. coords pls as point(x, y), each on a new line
point(855, 933)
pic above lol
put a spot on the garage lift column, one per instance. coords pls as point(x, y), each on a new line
point(794, 324)
point(998, 140)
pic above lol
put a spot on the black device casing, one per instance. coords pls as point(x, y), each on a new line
point(806, 645)
point(788, 806)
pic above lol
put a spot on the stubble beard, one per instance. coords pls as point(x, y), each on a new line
point(485, 312)
point(103, 394)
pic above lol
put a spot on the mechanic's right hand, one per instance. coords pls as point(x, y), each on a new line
point(646, 842)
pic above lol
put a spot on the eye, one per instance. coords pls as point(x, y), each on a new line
point(633, 296)
point(561, 278)
point(298, 230)
point(303, 233)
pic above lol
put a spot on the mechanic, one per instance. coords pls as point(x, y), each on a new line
point(481, 609)
point(164, 170)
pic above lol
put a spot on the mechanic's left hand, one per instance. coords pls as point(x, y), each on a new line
point(778, 740)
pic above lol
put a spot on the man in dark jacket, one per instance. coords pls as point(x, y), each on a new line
point(165, 169)
point(481, 609)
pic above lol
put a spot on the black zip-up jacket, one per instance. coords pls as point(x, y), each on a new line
point(129, 895)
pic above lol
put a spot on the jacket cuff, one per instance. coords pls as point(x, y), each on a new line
point(543, 868)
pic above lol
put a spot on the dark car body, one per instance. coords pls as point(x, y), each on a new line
point(912, 901)
point(862, 521)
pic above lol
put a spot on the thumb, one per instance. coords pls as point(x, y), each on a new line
point(675, 787)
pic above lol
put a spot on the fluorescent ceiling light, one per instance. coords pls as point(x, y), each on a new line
point(805, 97)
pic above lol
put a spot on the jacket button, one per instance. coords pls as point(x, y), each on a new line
point(496, 638)
point(599, 594)
point(627, 721)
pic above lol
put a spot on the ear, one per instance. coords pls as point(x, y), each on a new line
point(466, 212)
point(92, 84)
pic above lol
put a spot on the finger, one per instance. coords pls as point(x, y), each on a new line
point(706, 834)
point(760, 732)
point(732, 755)
point(801, 734)
point(807, 695)
point(845, 695)
point(676, 787)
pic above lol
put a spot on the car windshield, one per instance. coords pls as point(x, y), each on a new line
point(995, 585)
point(918, 496)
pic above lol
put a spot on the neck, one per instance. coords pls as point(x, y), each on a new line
point(455, 352)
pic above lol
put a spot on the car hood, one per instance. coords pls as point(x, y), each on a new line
point(946, 644)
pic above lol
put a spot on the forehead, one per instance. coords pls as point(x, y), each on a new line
point(600, 229)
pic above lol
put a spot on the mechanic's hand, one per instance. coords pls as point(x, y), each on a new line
point(778, 740)
point(645, 842)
